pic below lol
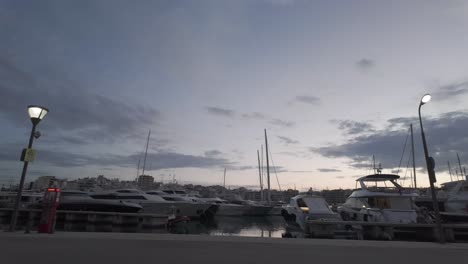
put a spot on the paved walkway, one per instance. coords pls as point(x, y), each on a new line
point(117, 248)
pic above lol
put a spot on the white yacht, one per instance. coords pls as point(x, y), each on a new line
point(156, 204)
point(380, 199)
point(234, 204)
point(74, 200)
point(455, 195)
point(304, 207)
point(226, 208)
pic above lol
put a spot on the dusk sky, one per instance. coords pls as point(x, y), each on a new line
point(333, 82)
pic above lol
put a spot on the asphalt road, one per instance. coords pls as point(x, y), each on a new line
point(102, 248)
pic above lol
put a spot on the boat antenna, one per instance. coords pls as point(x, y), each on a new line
point(412, 152)
point(224, 178)
point(373, 159)
point(260, 175)
point(146, 152)
point(268, 169)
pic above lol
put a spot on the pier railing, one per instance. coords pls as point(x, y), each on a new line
point(88, 221)
point(387, 231)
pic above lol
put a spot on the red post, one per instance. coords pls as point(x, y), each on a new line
point(50, 204)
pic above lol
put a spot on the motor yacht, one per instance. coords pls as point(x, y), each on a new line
point(380, 199)
point(305, 207)
point(81, 201)
point(456, 196)
point(233, 204)
point(155, 204)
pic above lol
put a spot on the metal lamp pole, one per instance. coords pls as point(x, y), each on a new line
point(36, 113)
point(430, 164)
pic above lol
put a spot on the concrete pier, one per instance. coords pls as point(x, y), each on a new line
point(120, 248)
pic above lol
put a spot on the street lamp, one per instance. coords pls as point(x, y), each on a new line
point(430, 164)
point(36, 114)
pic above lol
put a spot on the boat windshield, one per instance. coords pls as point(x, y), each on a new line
point(400, 203)
point(315, 203)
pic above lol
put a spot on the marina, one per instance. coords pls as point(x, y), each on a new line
point(245, 131)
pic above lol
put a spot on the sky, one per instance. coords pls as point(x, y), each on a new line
point(332, 82)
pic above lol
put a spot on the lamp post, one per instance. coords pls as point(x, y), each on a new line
point(36, 114)
point(430, 164)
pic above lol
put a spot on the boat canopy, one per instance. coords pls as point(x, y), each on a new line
point(379, 177)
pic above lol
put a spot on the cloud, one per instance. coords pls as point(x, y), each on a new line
point(282, 123)
point(328, 170)
point(365, 64)
point(281, 2)
point(76, 116)
point(446, 135)
point(287, 141)
point(212, 153)
point(351, 127)
point(220, 111)
point(307, 99)
point(254, 115)
point(161, 160)
point(450, 91)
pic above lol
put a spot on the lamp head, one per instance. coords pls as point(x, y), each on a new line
point(425, 99)
point(37, 113)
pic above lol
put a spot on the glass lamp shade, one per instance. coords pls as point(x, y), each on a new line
point(37, 113)
point(425, 99)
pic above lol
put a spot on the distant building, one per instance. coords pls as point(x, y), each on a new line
point(43, 183)
point(145, 182)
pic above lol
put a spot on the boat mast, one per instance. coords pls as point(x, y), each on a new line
point(138, 168)
point(263, 170)
point(450, 170)
point(459, 164)
point(224, 179)
point(260, 176)
point(412, 151)
point(268, 169)
point(146, 152)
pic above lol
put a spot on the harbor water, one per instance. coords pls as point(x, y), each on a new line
point(271, 226)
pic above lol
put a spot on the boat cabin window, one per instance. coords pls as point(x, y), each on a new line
point(171, 198)
point(155, 193)
point(77, 194)
point(134, 197)
point(301, 203)
point(179, 192)
point(401, 203)
point(104, 196)
point(127, 191)
point(169, 192)
point(356, 202)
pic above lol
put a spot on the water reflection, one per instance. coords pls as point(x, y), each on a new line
point(273, 226)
